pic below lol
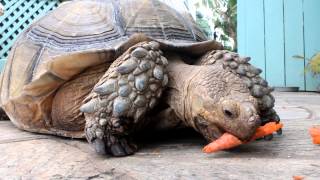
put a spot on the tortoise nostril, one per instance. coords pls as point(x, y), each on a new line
point(254, 120)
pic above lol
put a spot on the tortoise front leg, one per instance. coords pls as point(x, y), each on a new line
point(119, 101)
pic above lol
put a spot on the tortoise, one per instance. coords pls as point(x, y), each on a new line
point(105, 70)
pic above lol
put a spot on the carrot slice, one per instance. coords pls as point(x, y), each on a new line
point(266, 129)
point(226, 141)
point(315, 134)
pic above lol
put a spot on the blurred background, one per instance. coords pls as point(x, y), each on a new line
point(281, 36)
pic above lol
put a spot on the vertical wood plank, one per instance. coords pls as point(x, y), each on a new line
point(294, 45)
point(255, 34)
point(312, 37)
point(274, 42)
point(241, 26)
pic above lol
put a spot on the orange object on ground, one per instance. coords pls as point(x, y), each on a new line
point(297, 177)
point(315, 134)
point(227, 140)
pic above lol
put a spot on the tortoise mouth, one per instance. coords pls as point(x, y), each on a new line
point(209, 131)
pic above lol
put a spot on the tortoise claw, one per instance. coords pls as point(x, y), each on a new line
point(99, 146)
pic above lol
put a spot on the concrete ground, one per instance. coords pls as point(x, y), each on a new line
point(25, 155)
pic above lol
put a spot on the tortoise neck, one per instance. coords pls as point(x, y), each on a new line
point(180, 77)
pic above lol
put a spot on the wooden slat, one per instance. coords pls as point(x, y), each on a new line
point(18, 16)
point(22, 21)
point(254, 37)
point(274, 42)
point(294, 44)
point(312, 37)
point(241, 26)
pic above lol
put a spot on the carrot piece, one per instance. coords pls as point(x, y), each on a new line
point(267, 129)
point(297, 177)
point(226, 141)
point(315, 134)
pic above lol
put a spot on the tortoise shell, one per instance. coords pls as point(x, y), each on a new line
point(87, 34)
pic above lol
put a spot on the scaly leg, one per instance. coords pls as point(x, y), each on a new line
point(130, 88)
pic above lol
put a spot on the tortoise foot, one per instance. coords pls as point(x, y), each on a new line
point(114, 145)
point(130, 88)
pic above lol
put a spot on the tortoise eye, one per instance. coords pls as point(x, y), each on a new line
point(228, 113)
point(230, 109)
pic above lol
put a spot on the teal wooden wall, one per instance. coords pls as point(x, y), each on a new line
point(273, 31)
point(19, 14)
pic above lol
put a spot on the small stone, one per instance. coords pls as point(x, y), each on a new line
point(158, 72)
point(114, 74)
point(247, 81)
point(137, 71)
point(152, 103)
point(254, 70)
point(141, 82)
point(244, 59)
point(89, 107)
point(139, 113)
point(154, 45)
point(121, 106)
point(123, 82)
point(106, 88)
point(139, 52)
point(130, 77)
point(164, 61)
point(133, 95)
point(154, 87)
point(148, 94)
point(127, 67)
point(263, 83)
point(112, 96)
point(124, 91)
point(103, 115)
point(242, 69)
point(159, 93)
point(103, 102)
point(165, 80)
point(233, 64)
point(153, 55)
point(140, 101)
point(249, 74)
point(268, 102)
point(99, 133)
point(103, 122)
point(145, 65)
point(258, 91)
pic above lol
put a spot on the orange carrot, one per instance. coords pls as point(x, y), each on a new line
point(297, 177)
point(315, 134)
point(226, 141)
point(267, 129)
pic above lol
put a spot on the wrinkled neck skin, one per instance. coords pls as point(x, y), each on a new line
point(199, 96)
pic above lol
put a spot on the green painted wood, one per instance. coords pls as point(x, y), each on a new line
point(273, 31)
point(242, 27)
point(42, 7)
point(18, 16)
point(274, 42)
point(294, 43)
point(254, 35)
point(312, 37)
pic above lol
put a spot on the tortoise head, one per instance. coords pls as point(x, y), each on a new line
point(221, 102)
point(214, 101)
